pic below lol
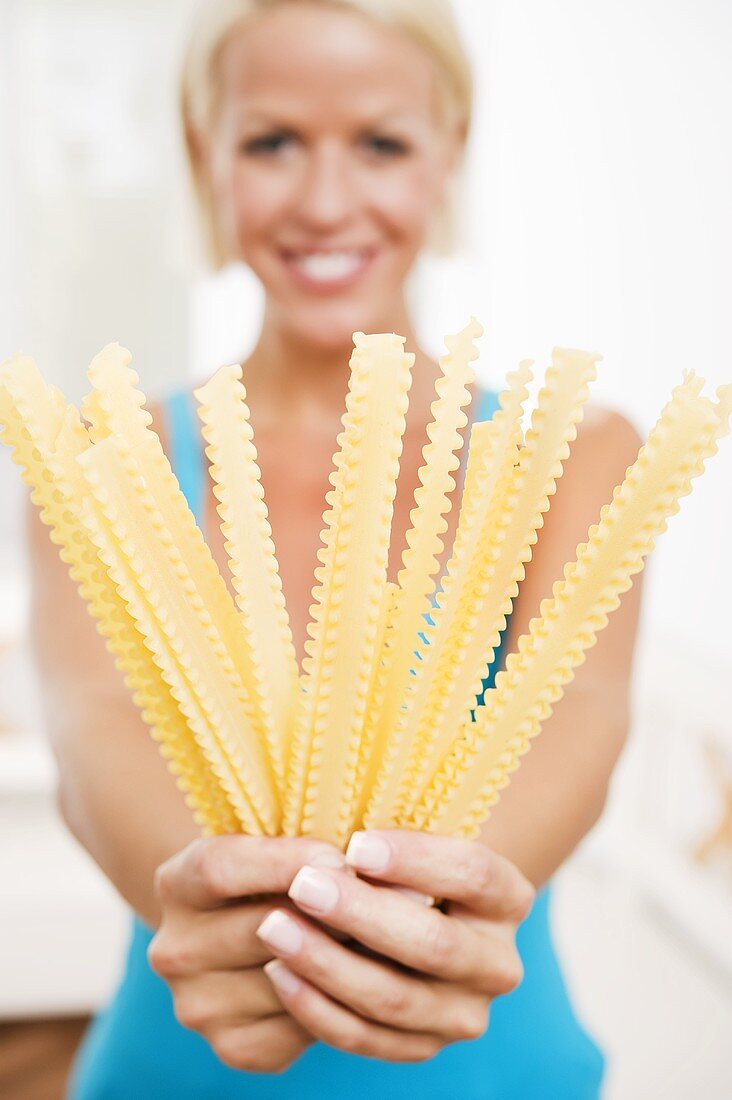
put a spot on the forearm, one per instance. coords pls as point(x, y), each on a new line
point(559, 791)
point(121, 804)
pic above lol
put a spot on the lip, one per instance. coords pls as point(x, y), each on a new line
point(292, 259)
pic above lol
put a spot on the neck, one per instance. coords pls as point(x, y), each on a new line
point(294, 377)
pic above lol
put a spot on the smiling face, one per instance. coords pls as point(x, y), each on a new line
point(328, 163)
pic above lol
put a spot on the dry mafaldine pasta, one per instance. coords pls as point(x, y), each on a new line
point(492, 446)
point(341, 650)
point(483, 577)
point(375, 697)
point(47, 437)
point(127, 528)
point(509, 526)
point(484, 753)
point(252, 562)
point(421, 556)
point(378, 728)
point(115, 409)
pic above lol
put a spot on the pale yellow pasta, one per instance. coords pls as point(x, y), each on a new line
point(509, 528)
point(485, 752)
point(492, 450)
point(47, 437)
point(341, 649)
point(270, 654)
point(127, 528)
point(115, 409)
point(377, 729)
point(368, 751)
point(421, 556)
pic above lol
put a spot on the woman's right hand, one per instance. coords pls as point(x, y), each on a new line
point(206, 948)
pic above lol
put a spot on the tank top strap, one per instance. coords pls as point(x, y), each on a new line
point(185, 449)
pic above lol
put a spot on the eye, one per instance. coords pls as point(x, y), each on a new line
point(265, 144)
point(385, 146)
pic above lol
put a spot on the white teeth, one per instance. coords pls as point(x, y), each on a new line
point(325, 266)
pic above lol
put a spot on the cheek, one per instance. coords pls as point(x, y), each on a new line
point(258, 201)
point(406, 202)
point(248, 202)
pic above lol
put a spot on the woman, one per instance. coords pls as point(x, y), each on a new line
point(324, 138)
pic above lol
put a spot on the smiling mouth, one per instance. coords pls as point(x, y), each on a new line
point(328, 270)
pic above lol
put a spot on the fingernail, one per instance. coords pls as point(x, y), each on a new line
point(416, 895)
point(328, 859)
point(282, 977)
point(281, 933)
point(314, 889)
point(368, 852)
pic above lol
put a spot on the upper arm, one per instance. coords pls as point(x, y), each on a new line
point(73, 662)
point(606, 445)
point(107, 761)
point(77, 671)
point(559, 791)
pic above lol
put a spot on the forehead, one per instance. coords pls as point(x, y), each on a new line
point(300, 58)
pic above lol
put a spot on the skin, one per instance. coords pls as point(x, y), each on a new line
point(310, 151)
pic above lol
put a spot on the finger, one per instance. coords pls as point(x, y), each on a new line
point(461, 870)
point(212, 870)
point(373, 989)
point(404, 931)
point(227, 998)
point(341, 1028)
point(415, 895)
point(220, 940)
point(268, 1046)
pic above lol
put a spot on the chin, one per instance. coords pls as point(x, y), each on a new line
point(330, 326)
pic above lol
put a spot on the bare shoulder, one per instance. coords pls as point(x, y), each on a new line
point(605, 428)
point(607, 444)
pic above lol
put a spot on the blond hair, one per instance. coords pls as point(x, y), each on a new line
point(429, 23)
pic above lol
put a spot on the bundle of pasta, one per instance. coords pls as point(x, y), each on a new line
point(381, 727)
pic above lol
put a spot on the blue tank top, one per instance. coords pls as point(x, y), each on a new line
point(534, 1047)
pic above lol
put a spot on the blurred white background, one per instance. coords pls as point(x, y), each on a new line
point(597, 215)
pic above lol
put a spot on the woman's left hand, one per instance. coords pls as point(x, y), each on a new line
point(435, 973)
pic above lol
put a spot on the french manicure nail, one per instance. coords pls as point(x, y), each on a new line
point(282, 977)
point(281, 933)
point(368, 852)
point(315, 889)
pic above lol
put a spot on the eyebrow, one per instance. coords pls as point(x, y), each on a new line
point(273, 117)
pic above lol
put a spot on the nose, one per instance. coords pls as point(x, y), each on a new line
point(328, 192)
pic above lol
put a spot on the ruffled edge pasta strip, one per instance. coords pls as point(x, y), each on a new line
point(492, 449)
point(340, 651)
point(510, 528)
point(150, 691)
point(488, 751)
point(421, 556)
point(375, 703)
point(148, 569)
point(115, 409)
point(201, 672)
point(252, 561)
point(45, 437)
